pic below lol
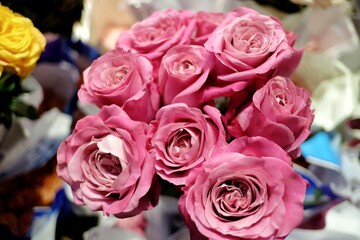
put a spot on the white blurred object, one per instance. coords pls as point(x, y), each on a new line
point(35, 95)
point(49, 230)
point(342, 222)
point(319, 3)
point(148, 6)
point(163, 218)
point(108, 228)
point(99, 16)
point(111, 233)
point(161, 222)
point(334, 87)
point(29, 146)
point(88, 108)
point(330, 66)
point(336, 99)
point(351, 171)
point(44, 227)
point(334, 33)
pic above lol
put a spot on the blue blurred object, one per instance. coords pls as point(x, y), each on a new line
point(320, 150)
point(322, 153)
point(61, 49)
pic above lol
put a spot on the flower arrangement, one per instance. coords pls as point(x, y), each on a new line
point(20, 47)
point(202, 101)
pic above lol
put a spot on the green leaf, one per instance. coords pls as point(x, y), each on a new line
point(22, 109)
point(221, 104)
point(6, 119)
point(10, 83)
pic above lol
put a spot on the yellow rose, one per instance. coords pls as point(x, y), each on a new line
point(20, 43)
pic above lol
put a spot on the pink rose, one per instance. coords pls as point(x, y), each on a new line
point(182, 138)
point(279, 111)
point(183, 71)
point(156, 34)
point(249, 46)
point(249, 191)
point(124, 79)
point(206, 22)
point(107, 166)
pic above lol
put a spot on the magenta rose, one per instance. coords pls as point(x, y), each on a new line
point(156, 34)
point(249, 191)
point(249, 46)
point(279, 111)
point(182, 137)
point(183, 71)
point(206, 22)
point(106, 164)
point(124, 79)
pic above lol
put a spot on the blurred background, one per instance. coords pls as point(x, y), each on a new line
point(36, 204)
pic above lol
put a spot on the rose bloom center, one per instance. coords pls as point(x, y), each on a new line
point(281, 97)
point(235, 199)
point(185, 67)
point(180, 143)
point(247, 39)
point(117, 77)
point(110, 164)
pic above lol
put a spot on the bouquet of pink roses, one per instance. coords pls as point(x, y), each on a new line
point(202, 101)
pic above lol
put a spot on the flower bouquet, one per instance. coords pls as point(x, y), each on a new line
point(20, 47)
point(199, 105)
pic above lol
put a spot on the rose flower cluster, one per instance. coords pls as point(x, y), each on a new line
point(203, 101)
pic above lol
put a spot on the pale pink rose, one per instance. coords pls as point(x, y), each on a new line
point(182, 137)
point(206, 22)
point(248, 47)
point(156, 34)
point(183, 71)
point(249, 191)
point(279, 111)
point(107, 166)
point(124, 79)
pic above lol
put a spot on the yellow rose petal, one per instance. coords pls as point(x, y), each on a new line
point(20, 42)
